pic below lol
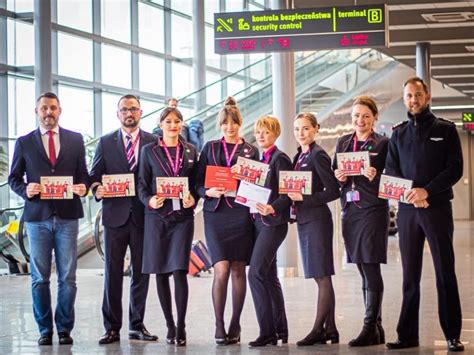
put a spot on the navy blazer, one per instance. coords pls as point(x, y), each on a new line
point(377, 146)
point(153, 164)
point(30, 160)
point(325, 187)
point(213, 154)
point(110, 158)
point(281, 203)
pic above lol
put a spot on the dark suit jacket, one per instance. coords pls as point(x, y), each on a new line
point(110, 158)
point(153, 164)
point(377, 145)
point(280, 203)
point(213, 154)
point(30, 159)
point(325, 187)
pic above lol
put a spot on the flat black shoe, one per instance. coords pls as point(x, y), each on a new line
point(283, 337)
point(455, 345)
point(333, 338)
point(312, 338)
point(141, 334)
point(264, 341)
point(65, 338)
point(110, 336)
point(402, 344)
point(46, 339)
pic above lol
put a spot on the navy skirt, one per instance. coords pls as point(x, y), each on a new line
point(365, 233)
point(167, 244)
point(316, 245)
point(229, 234)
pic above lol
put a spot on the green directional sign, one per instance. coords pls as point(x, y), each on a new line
point(468, 121)
point(301, 29)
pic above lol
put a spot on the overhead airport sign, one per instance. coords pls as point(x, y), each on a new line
point(301, 29)
point(468, 121)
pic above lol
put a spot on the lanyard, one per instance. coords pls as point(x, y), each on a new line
point(268, 154)
point(354, 147)
point(174, 166)
point(228, 159)
point(302, 157)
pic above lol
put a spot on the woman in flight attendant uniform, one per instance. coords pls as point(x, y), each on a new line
point(271, 226)
point(315, 226)
point(227, 225)
point(365, 217)
point(169, 223)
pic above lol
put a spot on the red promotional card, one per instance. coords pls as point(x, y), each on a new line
point(219, 176)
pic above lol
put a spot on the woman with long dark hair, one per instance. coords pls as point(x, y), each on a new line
point(169, 223)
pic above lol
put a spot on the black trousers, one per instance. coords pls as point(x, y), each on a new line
point(437, 226)
point(263, 279)
point(116, 241)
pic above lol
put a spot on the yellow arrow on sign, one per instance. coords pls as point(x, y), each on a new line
point(467, 117)
point(224, 25)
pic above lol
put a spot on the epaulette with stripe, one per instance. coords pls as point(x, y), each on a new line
point(399, 124)
point(446, 120)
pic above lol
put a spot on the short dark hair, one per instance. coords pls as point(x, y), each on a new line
point(128, 97)
point(417, 79)
point(48, 95)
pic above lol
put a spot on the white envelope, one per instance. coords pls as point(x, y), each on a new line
point(250, 194)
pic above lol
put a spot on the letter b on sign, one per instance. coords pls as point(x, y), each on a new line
point(374, 15)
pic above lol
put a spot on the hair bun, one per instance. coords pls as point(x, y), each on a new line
point(230, 101)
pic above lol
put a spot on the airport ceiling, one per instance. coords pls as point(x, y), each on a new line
point(447, 25)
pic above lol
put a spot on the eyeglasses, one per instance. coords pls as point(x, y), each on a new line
point(131, 109)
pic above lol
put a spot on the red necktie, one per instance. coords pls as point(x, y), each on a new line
point(51, 148)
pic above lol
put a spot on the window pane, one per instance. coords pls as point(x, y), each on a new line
point(213, 93)
point(20, 5)
point(183, 80)
point(181, 37)
point(21, 45)
point(212, 58)
point(68, 11)
point(234, 86)
point(116, 66)
point(110, 121)
point(149, 123)
point(77, 110)
point(116, 19)
point(75, 57)
point(235, 62)
point(184, 6)
point(21, 107)
point(152, 74)
point(150, 27)
point(234, 5)
point(210, 7)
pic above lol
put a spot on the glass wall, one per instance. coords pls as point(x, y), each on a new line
point(101, 53)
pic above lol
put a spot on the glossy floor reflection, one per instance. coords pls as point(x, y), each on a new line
point(18, 331)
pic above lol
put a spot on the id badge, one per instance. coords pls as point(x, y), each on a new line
point(293, 212)
point(176, 204)
point(352, 196)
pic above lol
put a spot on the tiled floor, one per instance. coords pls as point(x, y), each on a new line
point(18, 332)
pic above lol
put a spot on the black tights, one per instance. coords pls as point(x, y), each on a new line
point(222, 271)
point(325, 316)
point(180, 295)
point(371, 276)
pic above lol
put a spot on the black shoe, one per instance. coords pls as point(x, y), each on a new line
point(312, 338)
point(233, 339)
point(181, 337)
point(46, 339)
point(283, 337)
point(333, 337)
point(455, 345)
point(402, 344)
point(264, 341)
point(171, 335)
point(220, 336)
point(141, 334)
point(110, 336)
point(65, 338)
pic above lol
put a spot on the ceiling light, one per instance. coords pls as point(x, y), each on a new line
point(449, 16)
point(452, 107)
point(453, 76)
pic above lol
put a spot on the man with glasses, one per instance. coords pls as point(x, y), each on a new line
point(123, 219)
point(52, 222)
